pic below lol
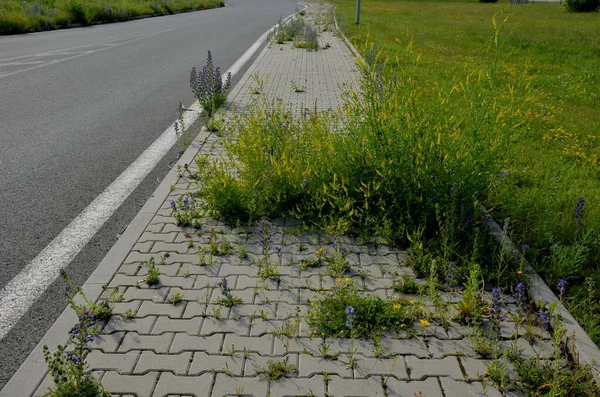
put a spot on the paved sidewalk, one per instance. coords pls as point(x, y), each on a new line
point(199, 348)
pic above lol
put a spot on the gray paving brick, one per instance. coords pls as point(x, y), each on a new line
point(366, 367)
point(176, 363)
point(140, 325)
point(355, 387)
point(454, 388)
point(474, 367)
point(428, 387)
point(234, 386)
point(309, 365)
point(212, 325)
point(205, 363)
point(413, 346)
point(184, 342)
point(312, 346)
point(262, 345)
point(153, 294)
point(169, 384)
point(149, 308)
point(139, 385)
point(292, 387)
point(165, 324)
point(420, 368)
point(107, 343)
point(257, 365)
point(157, 343)
point(122, 363)
point(442, 348)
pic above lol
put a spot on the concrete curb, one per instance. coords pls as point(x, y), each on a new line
point(578, 343)
point(33, 370)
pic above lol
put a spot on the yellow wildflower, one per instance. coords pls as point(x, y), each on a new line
point(412, 301)
point(397, 306)
point(338, 280)
point(348, 279)
point(520, 272)
point(425, 323)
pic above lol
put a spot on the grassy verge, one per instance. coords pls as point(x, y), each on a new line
point(31, 15)
point(555, 158)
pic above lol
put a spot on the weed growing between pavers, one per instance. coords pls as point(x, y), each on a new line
point(209, 88)
point(68, 368)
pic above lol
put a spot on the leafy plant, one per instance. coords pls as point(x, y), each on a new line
point(209, 87)
point(100, 310)
point(276, 370)
point(581, 5)
point(227, 299)
point(471, 306)
point(152, 276)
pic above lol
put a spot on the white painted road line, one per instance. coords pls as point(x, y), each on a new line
point(27, 286)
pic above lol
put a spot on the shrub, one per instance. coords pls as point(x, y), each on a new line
point(582, 5)
point(78, 13)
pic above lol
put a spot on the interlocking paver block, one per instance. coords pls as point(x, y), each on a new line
point(442, 348)
point(166, 324)
point(234, 386)
point(262, 345)
point(108, 343)
point(176, 363)
point(169, 384)
point(413, 346)
point(456, 388)
point(122, 363)
point(257, 365)
point(205, 363)
point(139, 385)
point(355, 387)
point(150, 308)
point(292, 387)
point(366, 367)
point(157, 343)
point(301, 345)
point(420, 368)
point(153, 294)
point(212, 325)
point(474, 367)
point(428, 387)
point(140, 325)
point(310, 365)
point(184, 342)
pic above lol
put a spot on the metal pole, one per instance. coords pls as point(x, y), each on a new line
point(357, 11)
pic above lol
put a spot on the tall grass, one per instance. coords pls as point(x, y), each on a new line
point(555, 158)
point(34, 15)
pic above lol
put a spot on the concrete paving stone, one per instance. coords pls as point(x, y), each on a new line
point(308, 282)
point(139, 385)
point(249, 282)
point(286, 310)
point(196, 269)
point(369, 259)
point(454, 388)
point(155, 227)
point(195, 309)
point(149, 308)
point(140, 325)
point(523, 348)
point(426, 388)
point(176, 363)
point(261, 327)
point(286, 296)
point(451, 347)
point(366, 366)
point(156, 343)
point(294, 387)
point(45, 385)
point(420, 368)
point(262, 345)
point(310, 366)
point(175, 281)
point(164, 324)
point(455, 331)
point(139, 257)
point(179, 248)
point(123, 363)
point(355, 387)
point(474, 368)
point(196, 237)
point(121, 280)
point(227, 270)
point(129, 269)
point(310, 346)
point(149, 236)
point(157, 295)
point(169, 384)
point(212, 325)
point(256, 365)
point(176, 258)
point(191, 295)
point(184, 342)
point(108, 343)
point(167, 270)
point(250, 310)
point(544, 348)
point(235, 386)
point(410, 346)
point(205, 363)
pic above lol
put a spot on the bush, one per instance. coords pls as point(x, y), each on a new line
point(79, 13)
point(582, 5)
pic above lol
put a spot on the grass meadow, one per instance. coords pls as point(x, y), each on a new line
point(549, 59)
point(34, 15)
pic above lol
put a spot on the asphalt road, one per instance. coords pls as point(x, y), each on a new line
point(77, 107)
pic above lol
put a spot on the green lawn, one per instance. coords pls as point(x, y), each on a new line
point(32, 15)
point(550, 58)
